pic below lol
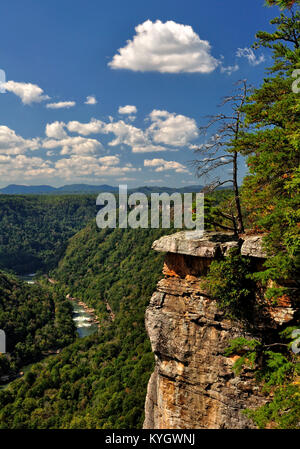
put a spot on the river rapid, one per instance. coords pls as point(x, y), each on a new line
point(84, 321)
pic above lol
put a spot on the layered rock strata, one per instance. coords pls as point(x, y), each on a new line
point(193, 384)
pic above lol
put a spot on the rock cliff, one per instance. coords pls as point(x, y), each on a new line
point(193, 385)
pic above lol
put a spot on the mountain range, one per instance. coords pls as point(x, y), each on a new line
point(15, 189)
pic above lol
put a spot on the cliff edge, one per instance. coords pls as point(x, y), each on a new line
point(193, 385)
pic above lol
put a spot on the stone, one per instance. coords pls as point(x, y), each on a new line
point(193, 385)
point(253, 247)
point(197, 243)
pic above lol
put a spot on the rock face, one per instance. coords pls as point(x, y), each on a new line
point(193, 385)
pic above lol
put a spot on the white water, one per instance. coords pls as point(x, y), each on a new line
point(82, 320)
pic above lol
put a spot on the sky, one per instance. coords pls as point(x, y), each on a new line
point(114, 92)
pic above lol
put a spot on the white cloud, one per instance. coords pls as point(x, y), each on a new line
point(29, 93)
point(172, 129)
point(109, 160)
point(126, 134)
point(73, 145)
point(93, 127)
point(86, 166)
point(11, 143)
point(149, 148)
point(151, 181)
point(163, 165)
point(166, 128)
point(167, 48)
point(56, 130)
point(229, 69)
point(129, 109)
point(24, 167)
point(249, 54)
point(61, 105)
point(76, 167)
point(90, 99)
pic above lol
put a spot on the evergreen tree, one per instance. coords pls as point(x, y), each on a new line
point(271, 190)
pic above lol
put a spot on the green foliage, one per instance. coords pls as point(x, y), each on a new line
point(34, 319)
point(99, 381)
point(283, 412)
point(271, 190)
point(247, 349)
point(219, 210)
point(282, 3)
point(278, 372)
point(228, 281)
point(34, 229)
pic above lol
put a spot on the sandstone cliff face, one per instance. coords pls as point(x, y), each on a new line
point(193, 385)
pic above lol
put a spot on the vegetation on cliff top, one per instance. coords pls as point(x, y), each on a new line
point(270, 140)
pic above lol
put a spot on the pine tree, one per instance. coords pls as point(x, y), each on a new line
point(282, 3)
point(271, 190)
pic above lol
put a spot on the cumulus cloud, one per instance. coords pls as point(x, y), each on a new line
point(163, 165)
point(87, 166)
point(149, 148)
point(90, 99)
point(93, 127)
point(166, 128)
point(172, 129)
point(129, 109)
point(11, 143)
point(73, 145)
point(109, 160)
point(167, 47)
point(126, 134)
point(24, 167)
point(29, 93)
point(61, 105)
point(249, 54)
point(56, 130)
point(75, 167)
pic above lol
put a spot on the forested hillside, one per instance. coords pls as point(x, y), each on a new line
point(35, 321)
point(100, 381)
point(34, 230)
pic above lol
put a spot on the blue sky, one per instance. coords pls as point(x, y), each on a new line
point(146, 101)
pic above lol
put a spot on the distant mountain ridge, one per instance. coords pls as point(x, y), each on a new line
point(15, 189)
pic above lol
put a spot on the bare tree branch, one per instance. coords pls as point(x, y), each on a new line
point(226, 131)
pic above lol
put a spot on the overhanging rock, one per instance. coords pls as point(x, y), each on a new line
point(209, 244)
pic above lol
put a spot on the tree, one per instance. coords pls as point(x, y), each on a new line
point(271, 190)
point(271, 195)
point(282, 3)
point(221, 149)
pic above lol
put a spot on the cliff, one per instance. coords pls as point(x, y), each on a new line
point(193, 385)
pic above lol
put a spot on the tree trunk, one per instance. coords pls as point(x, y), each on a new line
point(240, 225)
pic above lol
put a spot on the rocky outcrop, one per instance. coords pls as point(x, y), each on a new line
point(252, 247)
point(193, 384)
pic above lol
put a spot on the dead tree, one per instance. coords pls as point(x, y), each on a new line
point(221, 149)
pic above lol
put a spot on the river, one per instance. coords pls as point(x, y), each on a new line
point(83, 320)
